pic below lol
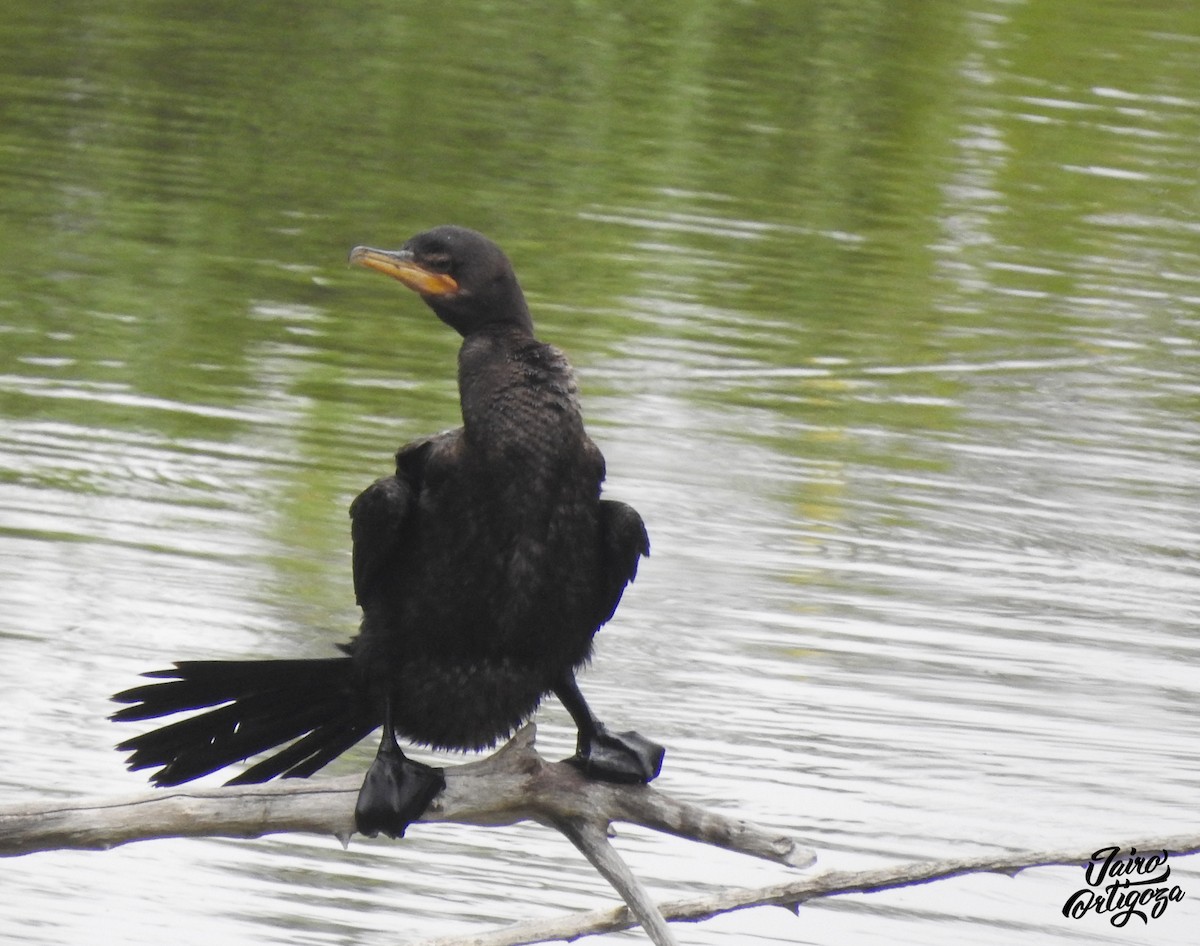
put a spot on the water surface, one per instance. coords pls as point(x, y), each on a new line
point(886, 318)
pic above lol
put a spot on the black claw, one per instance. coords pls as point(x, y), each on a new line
point(395, 793)
point(624, 757)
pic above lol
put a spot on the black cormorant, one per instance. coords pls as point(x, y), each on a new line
point(484, 567)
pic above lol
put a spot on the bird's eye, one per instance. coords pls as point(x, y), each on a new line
point(439, 262)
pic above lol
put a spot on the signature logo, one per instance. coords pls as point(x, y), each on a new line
point(1124, 885)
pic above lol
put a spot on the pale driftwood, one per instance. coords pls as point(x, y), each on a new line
point(514, 784)
point(592, 840)
point(795, 892)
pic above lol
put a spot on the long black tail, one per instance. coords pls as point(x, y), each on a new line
point(313, 706)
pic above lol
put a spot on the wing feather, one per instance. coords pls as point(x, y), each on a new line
point(625, 542)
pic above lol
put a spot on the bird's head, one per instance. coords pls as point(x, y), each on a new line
point(462, 275)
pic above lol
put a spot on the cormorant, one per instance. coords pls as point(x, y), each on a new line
point(484, 567)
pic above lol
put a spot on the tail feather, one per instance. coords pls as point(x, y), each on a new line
point(197, 684)
point(310, 707)
point(307, 754)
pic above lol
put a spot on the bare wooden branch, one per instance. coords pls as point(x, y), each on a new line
point(795, 892)
point(514, 784)
point(592, 840)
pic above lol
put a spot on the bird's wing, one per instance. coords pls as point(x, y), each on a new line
point(624, 542)
point(377, 520)
point(381, 514)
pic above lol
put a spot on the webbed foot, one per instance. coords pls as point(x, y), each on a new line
point(395, 792)
point(624, 757)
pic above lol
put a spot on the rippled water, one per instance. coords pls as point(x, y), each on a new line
point(887, 322)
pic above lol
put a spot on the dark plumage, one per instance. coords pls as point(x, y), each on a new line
point(484, 567)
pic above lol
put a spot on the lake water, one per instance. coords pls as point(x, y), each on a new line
point(887, 318)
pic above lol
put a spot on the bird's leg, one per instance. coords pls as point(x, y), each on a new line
point(396, 790)
point(610, 757)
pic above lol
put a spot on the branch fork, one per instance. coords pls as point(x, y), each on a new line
point(513, 784)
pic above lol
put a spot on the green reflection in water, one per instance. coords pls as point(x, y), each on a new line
point(799, 212)
point(858, 263)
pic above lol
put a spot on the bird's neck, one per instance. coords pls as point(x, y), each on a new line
point(517, 393)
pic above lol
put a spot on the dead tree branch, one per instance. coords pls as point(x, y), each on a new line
point(795, 892)
point(514, 784)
